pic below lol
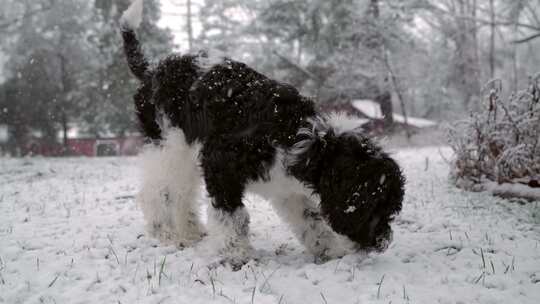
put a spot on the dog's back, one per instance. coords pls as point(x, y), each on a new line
point(231, 99)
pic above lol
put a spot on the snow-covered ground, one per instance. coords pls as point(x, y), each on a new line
point(70, 232)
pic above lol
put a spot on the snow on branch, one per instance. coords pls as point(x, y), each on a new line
point(500, 144)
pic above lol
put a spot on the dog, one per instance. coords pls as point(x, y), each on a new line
point(238, 130)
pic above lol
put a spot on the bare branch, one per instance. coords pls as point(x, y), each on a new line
point(299, 68)
point(527, 39)
point(440, 11)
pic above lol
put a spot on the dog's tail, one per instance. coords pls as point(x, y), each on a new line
point(139, 66)
point(130, 21)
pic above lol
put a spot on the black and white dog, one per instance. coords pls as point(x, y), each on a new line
point(245, 132)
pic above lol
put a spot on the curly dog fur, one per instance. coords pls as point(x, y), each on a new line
point(243, 131)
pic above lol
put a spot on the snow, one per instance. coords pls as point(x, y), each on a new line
point(415, 121)
point(513, 190)
point(373, 110)
point(368, 107)
point(71, 233)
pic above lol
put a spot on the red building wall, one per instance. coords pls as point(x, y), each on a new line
point(86, 147)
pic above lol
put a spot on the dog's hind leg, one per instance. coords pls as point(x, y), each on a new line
point(228, 219)
point(309, 227)
point(170, 189)
point(229, 232)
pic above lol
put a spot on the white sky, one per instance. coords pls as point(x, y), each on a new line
point(173, 17)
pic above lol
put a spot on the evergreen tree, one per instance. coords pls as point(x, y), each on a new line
point(67, 66)
point(53, 41)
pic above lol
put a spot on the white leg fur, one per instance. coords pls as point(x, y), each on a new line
point(292, 202)
point(171, 181)
point(309, 227)
point(229, 233)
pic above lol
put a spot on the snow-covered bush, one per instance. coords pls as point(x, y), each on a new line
point(501, 142)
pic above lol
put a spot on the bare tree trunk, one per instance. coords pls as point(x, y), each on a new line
point(466, 41)
point(397, 87)
point(492, 40)
point(474, 33)
point(516, 13)
point(18, 139)
point(65, 130)
point(64, 99)
point(514, 66)
point(384, 96)
point(189, 26)
point(64, 118)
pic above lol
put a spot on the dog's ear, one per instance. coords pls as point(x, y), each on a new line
point(313, 147)
point(324, 144)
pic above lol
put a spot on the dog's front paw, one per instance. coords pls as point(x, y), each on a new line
point(329, 254)
point(192, 240)
point(235, 263)
point(233, 254)
point(339, 250)
point(322, 258)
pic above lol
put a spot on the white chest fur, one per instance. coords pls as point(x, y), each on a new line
point(298, 206)
point(280, 185)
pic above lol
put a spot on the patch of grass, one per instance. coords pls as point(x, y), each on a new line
point(213, 287)
point(380, 285)
point(253, 294)
point(162, 270)
point(266, 280)
point(111, 249)
point(324, 299)
point(483, 259)
point(480, 277)
point(405, 295)
point(53, 281)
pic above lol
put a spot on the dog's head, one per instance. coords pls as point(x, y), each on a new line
point(361, 187)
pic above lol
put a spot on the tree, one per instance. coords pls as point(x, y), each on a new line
point(111, 109)
point(26, 102)
point(333, 50)
point(456, 20)
point(79, 59)
point(53, 41)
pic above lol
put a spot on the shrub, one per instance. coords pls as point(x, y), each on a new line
point(501, 142)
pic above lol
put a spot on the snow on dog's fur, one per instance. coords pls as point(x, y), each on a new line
point(336, 189)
